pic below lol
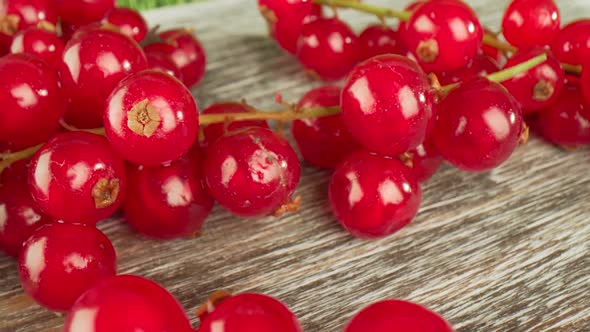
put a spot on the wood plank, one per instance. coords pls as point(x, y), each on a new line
point(506, 250)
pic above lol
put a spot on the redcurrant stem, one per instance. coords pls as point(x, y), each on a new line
point(572, 69)
point(505, 74)
point(6, 159)
point(286, 115)
point(363, 7)
point(98, 131)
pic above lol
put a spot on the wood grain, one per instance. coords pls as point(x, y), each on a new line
point(506, 250)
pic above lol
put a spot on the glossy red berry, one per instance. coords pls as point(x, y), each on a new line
point(585, 82)
point(167, 201)
point(387, 104)
point(424, 160)
point(41, 43)
point(377, 40)
point(566, 121)
point(94, 62)
point(444, 42)
point(481, 65)
point(60, 254)
point(151, 118)
point(323, 142)
point(529, 23)
point(538, 87)
point(373, 196)
point(479, 124)
point(572, 43)
point(75, 177)
point(212, 132)
point(128, 21)
point(250, 312)
point(251, 172)
point(185, 50)
point(31, 98)
point(397, 315)
point(18, 15)
point(285, 18)
point(160, 61)
point(328, 47)
point(127, 303)
point(403, 25)
point(81, 12)
point(19, 216)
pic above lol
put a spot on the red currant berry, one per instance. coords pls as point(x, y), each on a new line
point(373, 196)
point(151, 118)
point(529, 23)
point(538, 87)
point(251, 172)
point(377, 40)
point(76, 177)
point(167, 201)
point(387, 104)
point(397, 315)
point(481, 65)
point(444, 42)
point(18, 170)
point(285, 18)
point(19, 216)
point(566, 122)
point(44, 44)
point(249, 312)
point(160, 61)
point(81, 12)
point(424, 160)
point(31, 98)
point(60, 254)
point(482, 133)
point(212, 132)
point(323, 142)
point(328, 47)
point(18, 15)
point(129, 22)
point(585, 82)
point(127, 303)
point(93, 64)
point(403, 25)
point(185, 51)
point(572, 44)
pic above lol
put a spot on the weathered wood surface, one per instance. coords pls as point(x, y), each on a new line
point(506, 250)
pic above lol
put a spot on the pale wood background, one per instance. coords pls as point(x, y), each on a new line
point(506, 250)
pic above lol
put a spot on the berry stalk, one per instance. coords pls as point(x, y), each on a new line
point(286, 115)
point(6, 159)
point(363, 7)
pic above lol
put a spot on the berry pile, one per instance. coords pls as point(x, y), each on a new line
point(98, 117)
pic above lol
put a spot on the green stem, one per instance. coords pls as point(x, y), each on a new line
point(363, 7)
point(6, 159)
point(286, 115)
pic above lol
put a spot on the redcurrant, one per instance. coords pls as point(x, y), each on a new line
point(31, 98)
point(424, 160)
point(377, 40)
point(212, 132)
point(397, 315)
point(60, 254)
point(128, 21)
point(323, 142)
point(251, 172)
point(572, 43)
point(94, 62)
point(387, 103)
point(481, 65)
point(328, 47)
point(444, 42)
point(529, 23)
point(18, 15)
point(127, 303)
point(538, 87)
point(585, 82)
point(373, 196)
point(160, 61)
point(39, 42)
point(81, 12)
point(479, 124)
point(249, 312)
point(19, 215)
point(167, 201)
point(75, 177)
point(566, 121)
point(151, 118)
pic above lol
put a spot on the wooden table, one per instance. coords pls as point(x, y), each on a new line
point(506, 250)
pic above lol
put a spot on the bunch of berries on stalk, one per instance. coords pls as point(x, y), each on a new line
point(97, 117)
